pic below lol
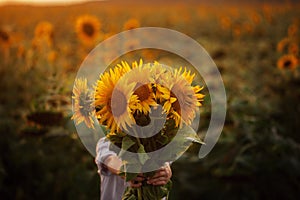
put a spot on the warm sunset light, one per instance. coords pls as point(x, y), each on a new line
point(149, 99)
point(41, 2)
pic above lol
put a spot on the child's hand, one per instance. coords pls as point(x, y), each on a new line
point(162, 176)
point(137, 181)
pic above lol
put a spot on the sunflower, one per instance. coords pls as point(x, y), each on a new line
point(4, 37)
point(189, 78)
point(287, 62)
point(131, 24)
point(225, 23)
point(180, 98)
point(43, 29)
point(158, 72)
point(114, 100)
point(43, 34)
point(140, 75)
point(136, 64)
point(282, 44)
point(83, 104)
point(87, 28)
point(158, 75)
point(186, 74)
point(124, 67)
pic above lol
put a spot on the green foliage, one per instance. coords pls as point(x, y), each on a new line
point(148, 192)
point(45, 167)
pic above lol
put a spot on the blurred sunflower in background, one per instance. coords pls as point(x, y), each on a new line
point(5, 39)
point(83, 107)
point(43, 35)
point(43, 29)
point(283, 44)
point(287, 62)
point(289, 49)
point(6, 42)
point(131, 24)
point(88, 29)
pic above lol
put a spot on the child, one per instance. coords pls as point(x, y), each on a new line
point(113, 185)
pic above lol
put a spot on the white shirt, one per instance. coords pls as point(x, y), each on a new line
point(112, 185)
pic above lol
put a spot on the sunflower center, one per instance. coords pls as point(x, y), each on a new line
point(88, 29)
point(142, 91)
point(85, 104)
point(176, 104)
point(117, 104)
point(287, 64)
point(4, 36)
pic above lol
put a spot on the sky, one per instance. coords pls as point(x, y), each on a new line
point(41, 2)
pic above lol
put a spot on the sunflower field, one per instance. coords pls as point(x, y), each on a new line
point(254, 45)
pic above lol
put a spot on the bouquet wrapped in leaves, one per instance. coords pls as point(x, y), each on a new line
point(147, 110)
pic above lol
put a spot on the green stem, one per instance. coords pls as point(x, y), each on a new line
point(136, 136)
point(140, 196)
point(139, 190)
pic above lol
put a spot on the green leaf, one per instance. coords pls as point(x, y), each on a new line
point(130, 176)
point(104, 129)
point(127, 142)
point(129, 194)
point(143, 156)
point(185, 136)
point(148, 192)
point(163, 140)
point(130, 169)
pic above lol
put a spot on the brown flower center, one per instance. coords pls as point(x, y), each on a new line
point(142, 91)
point(85, 104)
point(117, 104)
point(4, 36)
point(88, 29)
point(287, 64)
point(176, 104)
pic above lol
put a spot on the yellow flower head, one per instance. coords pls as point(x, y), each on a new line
point(141, 77)
point(159, 75)
point(114, 99)
point(83, 103)
point(180, 98)
point(88, 29)
point(125, 92)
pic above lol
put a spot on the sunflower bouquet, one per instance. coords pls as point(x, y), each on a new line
point(146, 110)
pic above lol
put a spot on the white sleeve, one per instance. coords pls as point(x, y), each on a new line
point(102, 153)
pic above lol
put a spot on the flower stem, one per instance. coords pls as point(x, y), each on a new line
point(136, 135)
point(140, 196)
